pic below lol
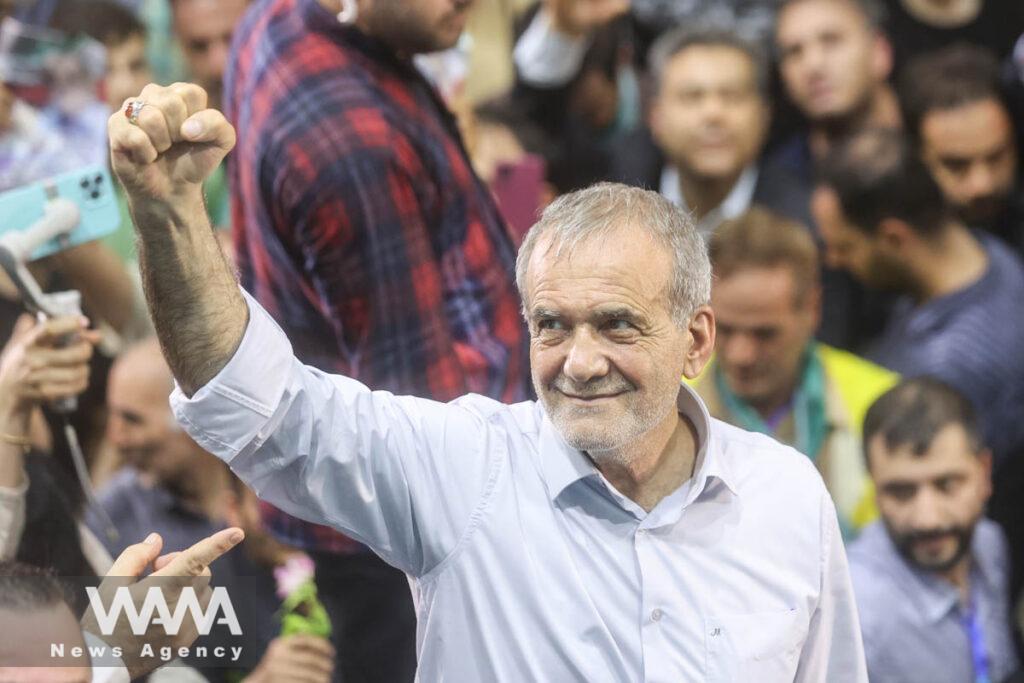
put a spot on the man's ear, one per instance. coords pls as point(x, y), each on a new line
point(702, 342)
point(881, 56)
point(894, 234)
point(812, 304)
point(985, 461)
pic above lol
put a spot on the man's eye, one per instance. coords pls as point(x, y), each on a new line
point(620, 325)
point(901, 493)
point(550, 324)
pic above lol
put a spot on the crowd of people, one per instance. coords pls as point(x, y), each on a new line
point(486, 206)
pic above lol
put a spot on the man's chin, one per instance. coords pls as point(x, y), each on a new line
point(589, 433)
point(938, 560)
point(981, 214)
point(935, 563)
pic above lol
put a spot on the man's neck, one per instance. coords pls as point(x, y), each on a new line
point(704, 195)
point(960, 576)
point(955, 261)
point(880, 111)
point(769, 406)
point(659, 463)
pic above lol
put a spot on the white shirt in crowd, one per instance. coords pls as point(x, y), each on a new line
point(525, 563)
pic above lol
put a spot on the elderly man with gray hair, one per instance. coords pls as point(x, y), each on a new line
point(611, 531)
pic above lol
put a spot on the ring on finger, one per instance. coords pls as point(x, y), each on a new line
point(132, 111)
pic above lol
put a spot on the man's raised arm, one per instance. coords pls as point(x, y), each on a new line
point(403, 475)
point(161, 154)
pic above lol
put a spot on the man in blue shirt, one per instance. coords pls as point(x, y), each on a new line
point(930, 579)
point(884, 219)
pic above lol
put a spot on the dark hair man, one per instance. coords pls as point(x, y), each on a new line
point(835, 63)
point(884, 218)
point(931, 577)
point(708, 121)
point(956, 113)
point(769, 375)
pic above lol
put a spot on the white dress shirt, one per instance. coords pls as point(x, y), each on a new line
point(733, 206)
point(525, 563)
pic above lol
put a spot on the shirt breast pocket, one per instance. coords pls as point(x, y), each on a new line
point(760, 646)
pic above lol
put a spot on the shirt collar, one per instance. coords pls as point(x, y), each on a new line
point(937, 597)
point(563, 465)
point(733, 206)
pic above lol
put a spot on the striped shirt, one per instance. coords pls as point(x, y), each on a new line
point(972, 339)
point(912, 620)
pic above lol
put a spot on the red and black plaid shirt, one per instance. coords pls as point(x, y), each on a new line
point(359, 223)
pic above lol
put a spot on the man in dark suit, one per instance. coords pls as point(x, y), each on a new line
point(708, 123)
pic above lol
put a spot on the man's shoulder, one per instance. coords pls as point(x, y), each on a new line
point(525, 416)
point(1006, 265)
point(990, 549)
point(859, 381)
point(342, 102)
point(757, 460)
point(874, 571)
point(872, 549)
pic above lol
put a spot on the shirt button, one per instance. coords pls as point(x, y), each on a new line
point(656, 615)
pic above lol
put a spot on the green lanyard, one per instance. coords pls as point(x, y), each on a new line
point(808, 406)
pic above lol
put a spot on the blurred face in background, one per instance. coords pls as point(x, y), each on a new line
point(415, 27)
point(204, 29)
point(764, 324)
point(971, 153)
point(875, 259)
point(141, 425)
point(128, 70)
point(830, 57)
point(931, 502)
point(709, 117)
point(25, 655)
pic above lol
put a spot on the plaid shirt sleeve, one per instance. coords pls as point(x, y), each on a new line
point(359, 223)
point(361, 226)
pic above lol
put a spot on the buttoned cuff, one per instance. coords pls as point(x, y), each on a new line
point(232, 410)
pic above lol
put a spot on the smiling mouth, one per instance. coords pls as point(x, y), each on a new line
point(590, 399)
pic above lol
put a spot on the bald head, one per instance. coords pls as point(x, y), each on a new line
point(143, 364)
point(142, 426)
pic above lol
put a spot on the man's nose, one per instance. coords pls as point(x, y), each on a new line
point(980, 181)
point(217, 59)
point(739, 350)
point(927, 511)
point(812, 60)
point(585, 360)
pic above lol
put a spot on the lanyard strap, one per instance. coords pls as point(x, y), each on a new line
point(976, 636)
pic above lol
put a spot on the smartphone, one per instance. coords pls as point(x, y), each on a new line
point(518, 188)
point(90, 188)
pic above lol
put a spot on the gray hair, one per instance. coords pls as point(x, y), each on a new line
point(680, 39)
point(577, 217)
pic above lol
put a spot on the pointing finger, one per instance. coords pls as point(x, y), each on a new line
point(196, 560)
